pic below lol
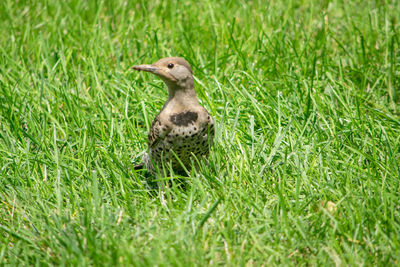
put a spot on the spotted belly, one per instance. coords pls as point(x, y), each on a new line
point(182, 143)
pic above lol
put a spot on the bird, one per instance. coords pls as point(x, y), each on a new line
point(183, 130)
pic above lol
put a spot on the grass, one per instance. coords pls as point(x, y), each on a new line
point(305, 167)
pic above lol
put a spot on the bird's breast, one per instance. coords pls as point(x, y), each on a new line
point(183, 142)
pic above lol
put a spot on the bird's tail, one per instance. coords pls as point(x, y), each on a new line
point(139, 166)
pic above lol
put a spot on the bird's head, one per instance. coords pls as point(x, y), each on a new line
point(174, 71)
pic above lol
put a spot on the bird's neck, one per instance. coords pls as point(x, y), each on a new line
point(182, 92)
point(183, 96)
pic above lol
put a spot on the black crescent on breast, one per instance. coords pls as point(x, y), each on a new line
point(184, 118)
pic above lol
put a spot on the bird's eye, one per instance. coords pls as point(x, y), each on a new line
point(170, 66)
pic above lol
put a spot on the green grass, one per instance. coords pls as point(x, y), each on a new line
point(305, 167)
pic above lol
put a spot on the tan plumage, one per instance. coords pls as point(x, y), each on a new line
point(183, 129)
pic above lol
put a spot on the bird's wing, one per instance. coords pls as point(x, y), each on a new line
point(211, 128)
point(157, 132)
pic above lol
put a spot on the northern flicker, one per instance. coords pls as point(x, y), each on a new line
point(183, 130)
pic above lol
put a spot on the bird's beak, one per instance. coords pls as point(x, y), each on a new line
point(148, 68)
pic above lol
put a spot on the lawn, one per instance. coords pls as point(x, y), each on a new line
point(305, 169)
